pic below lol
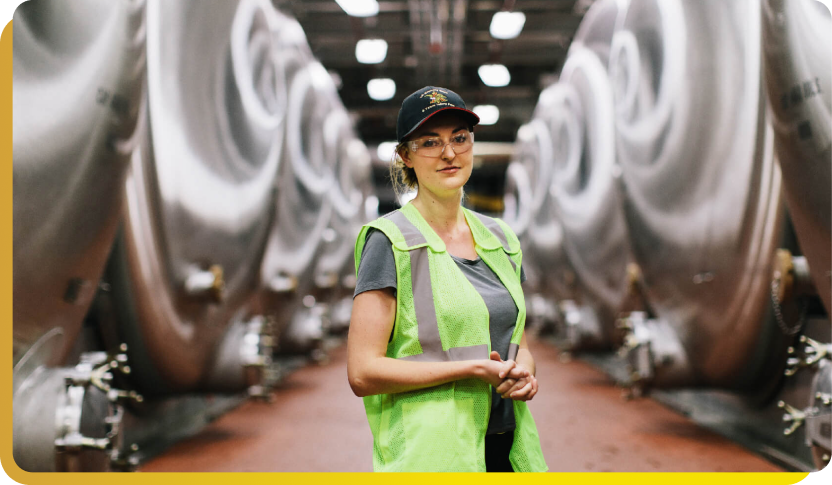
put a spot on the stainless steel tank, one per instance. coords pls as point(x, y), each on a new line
point(77, 99)
point(352, 207)
point(77, 94)
point(796, 45)
point(558, 129)
point(585, 181)
point(199, 191)
point(304, 205)
point(348, 195)
point(703, 198)
point(797, 40)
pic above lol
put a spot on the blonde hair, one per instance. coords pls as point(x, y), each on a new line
point(403, 177)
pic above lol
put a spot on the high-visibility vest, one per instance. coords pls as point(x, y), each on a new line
point(440, 316)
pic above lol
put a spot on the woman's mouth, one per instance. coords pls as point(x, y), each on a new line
point(449, 170)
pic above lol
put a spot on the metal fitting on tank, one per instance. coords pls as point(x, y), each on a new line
point(306, 330)
point(654, 354)
point(326, 280)
point(85, 433)
point(243, 359)
point(206, 284)
point(577, 327)
point(541, 313)
point(817, 416)
point(283, 283)
point(813, 352)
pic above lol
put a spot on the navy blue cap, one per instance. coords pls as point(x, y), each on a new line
point(426, 102)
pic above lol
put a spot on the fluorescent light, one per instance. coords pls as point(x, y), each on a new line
point(507, 25)
point(381, 89)
point(385, 150)
point(370, 51)
point(488, 113)
point(494, 75)
point(359, 8)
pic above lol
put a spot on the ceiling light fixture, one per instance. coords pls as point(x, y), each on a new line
point(359, 8)
point(507, 25)
point(488, 113)
point(381, 89)
point(494, 75)
point(371, 51)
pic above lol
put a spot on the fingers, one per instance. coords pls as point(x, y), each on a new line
point(520, 390)
point(518, 372)
point(505, 386)
point(527, 396)
point(521, 393)
point(518, 385)
point(495, 356)
point(507, 367)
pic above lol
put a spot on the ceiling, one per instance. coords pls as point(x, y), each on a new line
point(441, 42)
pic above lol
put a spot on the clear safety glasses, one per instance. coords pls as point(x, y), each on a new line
point(433, 147)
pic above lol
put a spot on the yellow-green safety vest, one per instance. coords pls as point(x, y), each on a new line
point(440, 316)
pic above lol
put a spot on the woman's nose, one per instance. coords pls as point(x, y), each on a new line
point(448, 152)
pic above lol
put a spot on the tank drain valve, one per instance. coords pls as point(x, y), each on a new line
point(283, 283)
point(793, 415)
point(206, 284)
point(813, 352)
point(95, 369)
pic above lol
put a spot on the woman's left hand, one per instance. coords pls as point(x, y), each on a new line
point(520, 389)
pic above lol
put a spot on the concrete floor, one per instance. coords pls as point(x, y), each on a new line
point(316, 424)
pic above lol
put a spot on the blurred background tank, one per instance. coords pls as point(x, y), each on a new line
point(585, 190)
point(352, 207)
point(199, 192)
point(303, 210)
point(78, 93)
point(797, 42)
point(702, 191)
point(78, 98)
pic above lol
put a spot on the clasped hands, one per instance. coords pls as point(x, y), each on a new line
point(511, 380)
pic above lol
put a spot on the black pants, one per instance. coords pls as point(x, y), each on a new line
point(497, 447)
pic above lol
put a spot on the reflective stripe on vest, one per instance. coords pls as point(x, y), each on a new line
point(423, 303)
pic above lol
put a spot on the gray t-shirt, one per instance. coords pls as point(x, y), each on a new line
point(378, 270)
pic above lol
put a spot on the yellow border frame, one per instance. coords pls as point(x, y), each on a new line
point(21, 476)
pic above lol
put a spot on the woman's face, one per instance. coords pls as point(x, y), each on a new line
point(446, 174)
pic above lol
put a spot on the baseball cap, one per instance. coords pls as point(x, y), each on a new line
point(426, 102)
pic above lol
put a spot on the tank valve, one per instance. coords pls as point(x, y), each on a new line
point(326, 280)
point(793, 415)
point(824, 398)
point(813, 353)
point(207, 284)
point(283, 283)
point(94, 370)
point(101, 377)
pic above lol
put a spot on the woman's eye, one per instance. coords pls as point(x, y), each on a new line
point(429, 143)
point(460, 139)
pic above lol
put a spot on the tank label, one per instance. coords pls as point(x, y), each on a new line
point(800, 92)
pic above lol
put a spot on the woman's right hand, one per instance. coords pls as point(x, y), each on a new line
point(495, 370)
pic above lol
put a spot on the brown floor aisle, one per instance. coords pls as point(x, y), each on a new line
point(317, 424)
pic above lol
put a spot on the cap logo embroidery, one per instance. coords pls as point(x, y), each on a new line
point(437, 99)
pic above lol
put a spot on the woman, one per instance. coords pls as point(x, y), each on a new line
point(436, 343)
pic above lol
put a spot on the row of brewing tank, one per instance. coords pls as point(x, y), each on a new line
point(187, 190)
point(658, 189)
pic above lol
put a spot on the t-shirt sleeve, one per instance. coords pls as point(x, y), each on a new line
point(522, 275)
point(377, 269)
